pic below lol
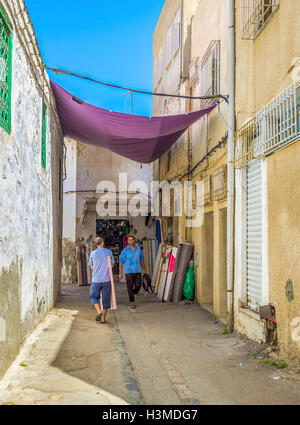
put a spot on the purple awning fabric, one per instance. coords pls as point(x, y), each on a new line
point(142, 139)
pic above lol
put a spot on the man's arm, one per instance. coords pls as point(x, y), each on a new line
point(121, 261)
point(143, 267)
point(142, 261)
point(120, 270)
point(91, 262)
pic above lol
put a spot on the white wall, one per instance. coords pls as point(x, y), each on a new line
point(29, 219)
point(88, 165)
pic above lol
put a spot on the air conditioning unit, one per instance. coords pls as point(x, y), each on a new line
point(194, 71)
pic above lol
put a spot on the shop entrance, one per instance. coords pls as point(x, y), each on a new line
point(114, 233)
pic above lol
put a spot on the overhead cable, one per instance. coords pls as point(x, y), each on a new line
point(74, 74)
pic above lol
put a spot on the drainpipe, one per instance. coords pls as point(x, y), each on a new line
point(181, 39)
point(230, 178)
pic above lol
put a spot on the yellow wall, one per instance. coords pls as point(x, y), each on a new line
point(284, 245)
point(263, 65)
point(200, 26)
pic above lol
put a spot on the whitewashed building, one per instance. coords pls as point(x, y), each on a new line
point(31, 164)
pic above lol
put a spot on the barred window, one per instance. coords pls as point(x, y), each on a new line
point(44, 136)
point(210, 72)
point(5, 73)
point(254, 16)
point(274, 126)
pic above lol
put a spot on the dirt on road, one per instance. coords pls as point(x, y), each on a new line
point(161, 353)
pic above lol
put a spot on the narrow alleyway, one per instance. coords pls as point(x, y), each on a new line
point(160, 354)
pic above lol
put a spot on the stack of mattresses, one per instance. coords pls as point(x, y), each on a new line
point(182, 266)
point(150, 252)
point(156, 265)
point(170, 271)
point(146, 254)
point(164, 271)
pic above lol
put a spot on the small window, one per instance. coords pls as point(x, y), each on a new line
point(44, 136)
point(160, 65)
point(155, 79)
point(5, 73)
point(169, 160)
point(176, 33)
point(210, 72)
point(169, 47)
point(254, 16)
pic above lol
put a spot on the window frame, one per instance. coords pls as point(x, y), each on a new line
point(6, 22)
point(255, 15)
point(214, 72)
point(169, 52)
point(176, 41)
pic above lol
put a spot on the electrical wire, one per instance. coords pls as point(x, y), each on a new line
point(74, 74)
point(218, 145)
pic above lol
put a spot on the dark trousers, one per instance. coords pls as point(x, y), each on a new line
point(134, 283)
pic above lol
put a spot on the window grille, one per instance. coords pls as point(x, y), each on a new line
point(274, 126)
point(44, 136)
point(5, 73)
point(254, 16)
point(210, 72)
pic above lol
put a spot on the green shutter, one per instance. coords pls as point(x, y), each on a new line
point(44, 136)
point(59, 183)
point(5, 73)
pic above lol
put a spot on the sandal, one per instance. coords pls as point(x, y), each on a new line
point(103, 322)
point(133, 306)
point(98, 317)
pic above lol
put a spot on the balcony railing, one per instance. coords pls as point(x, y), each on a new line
point(273, 127)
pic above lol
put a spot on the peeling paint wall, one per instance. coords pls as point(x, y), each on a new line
point(30, 222)
point(284, 246)
point(264, 67)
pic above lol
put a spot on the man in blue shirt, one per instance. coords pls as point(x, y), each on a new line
point(132, 260)
point(101, 279)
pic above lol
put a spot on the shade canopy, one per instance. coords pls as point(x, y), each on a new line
point(142, 139)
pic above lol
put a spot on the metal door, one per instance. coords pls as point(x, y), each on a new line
point(254, 235)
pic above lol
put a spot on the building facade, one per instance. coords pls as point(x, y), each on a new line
point(86, 167)
point(197, 66)
point(267, 217)
point(31, 162)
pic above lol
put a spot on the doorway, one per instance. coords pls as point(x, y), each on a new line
point(207, 261)
point(114, 233)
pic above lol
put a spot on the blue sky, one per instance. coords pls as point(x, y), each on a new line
point(104, 39)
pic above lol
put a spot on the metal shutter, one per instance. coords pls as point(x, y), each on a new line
point(254, 235)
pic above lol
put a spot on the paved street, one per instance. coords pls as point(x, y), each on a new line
point(161, 354)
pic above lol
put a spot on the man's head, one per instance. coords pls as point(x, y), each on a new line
point(99, 242)
point(131, 240)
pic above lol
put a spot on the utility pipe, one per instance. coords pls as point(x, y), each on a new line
point(230, 166)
